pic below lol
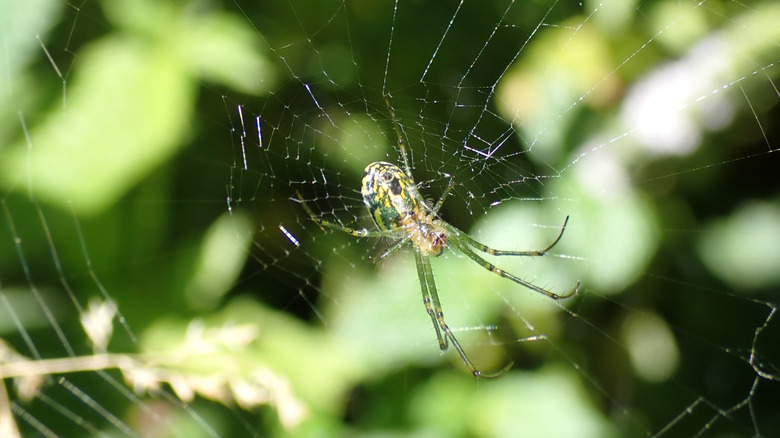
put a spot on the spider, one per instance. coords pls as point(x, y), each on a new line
point(400, 213)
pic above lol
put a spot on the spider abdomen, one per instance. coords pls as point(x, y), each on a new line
point(389, 194)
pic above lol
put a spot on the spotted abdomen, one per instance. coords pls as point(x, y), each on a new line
point(389, 194)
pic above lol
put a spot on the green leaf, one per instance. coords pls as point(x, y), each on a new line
point(126, 112)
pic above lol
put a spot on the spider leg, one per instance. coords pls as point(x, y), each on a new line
point(444, 195)
point(395, 247)
point(461, 245)
point(362, 232)
point(433, 307)
point(357, 232)
point(399, 134)
point(425, 276)
point(499, 252)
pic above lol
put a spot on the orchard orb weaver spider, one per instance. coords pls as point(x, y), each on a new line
point(401, 213)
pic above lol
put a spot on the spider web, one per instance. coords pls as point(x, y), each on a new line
point(159, 274)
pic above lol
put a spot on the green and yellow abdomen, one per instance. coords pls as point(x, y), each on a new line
point(389, 194)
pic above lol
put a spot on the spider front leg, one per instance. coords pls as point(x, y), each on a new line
point(433, 307)
point(437, 206)
point(461, 245)
point(499, 252)
point(357, 232)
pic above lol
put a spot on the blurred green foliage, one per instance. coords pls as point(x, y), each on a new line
point(122, 143)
